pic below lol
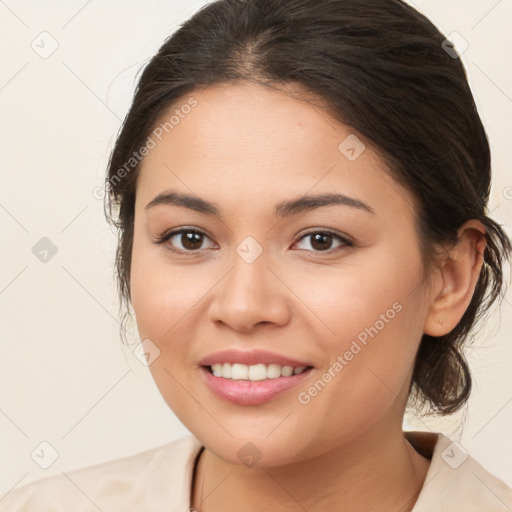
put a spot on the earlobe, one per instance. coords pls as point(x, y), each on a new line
point(459, 273)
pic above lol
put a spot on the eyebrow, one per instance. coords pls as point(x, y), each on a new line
point(282, 209)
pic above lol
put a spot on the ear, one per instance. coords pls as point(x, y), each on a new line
point(459, 272)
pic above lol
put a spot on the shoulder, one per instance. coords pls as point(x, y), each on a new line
point(137, 482)
point(456, 481)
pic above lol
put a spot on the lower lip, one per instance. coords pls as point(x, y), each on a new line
point(248, 392)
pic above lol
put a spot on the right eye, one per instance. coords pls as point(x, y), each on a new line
point(190, 239)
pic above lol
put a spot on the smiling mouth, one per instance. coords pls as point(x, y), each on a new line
point(256, 372)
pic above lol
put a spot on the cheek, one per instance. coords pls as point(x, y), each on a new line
point(163, 294)
point(369, 321)
point(347, 300)
point(163, 298)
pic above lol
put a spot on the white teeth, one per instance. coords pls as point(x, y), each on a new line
point(257, 372)
point(287, 371)
point(238, 371)
point(226, 370)
point(273, 371)
point(254, 372)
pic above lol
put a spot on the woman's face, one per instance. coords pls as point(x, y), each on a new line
point(352, 308)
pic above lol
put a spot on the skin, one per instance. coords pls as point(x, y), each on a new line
point(246, 148)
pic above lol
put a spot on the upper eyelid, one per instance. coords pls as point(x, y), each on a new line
point(331, 231)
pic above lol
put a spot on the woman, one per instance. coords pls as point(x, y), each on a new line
point(300, 189)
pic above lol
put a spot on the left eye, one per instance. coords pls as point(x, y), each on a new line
point(321, 240)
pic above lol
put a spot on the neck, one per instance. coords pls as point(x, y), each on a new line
point(377, 471)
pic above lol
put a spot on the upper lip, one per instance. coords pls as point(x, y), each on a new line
point(250, 358)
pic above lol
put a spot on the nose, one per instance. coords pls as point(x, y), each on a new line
point(250, 294)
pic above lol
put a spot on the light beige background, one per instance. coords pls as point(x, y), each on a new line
point(65, 377)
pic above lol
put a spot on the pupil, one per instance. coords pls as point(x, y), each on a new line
point(321, 237)
point(191, 240)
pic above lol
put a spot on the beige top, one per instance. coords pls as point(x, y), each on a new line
point(160, 480)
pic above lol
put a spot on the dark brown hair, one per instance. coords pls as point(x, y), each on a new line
point(381, 68)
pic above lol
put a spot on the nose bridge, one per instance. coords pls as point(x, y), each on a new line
point(250, 293)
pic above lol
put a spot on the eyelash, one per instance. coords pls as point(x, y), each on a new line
point(168, 235)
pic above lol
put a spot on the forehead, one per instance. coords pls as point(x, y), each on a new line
point(261, 144)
